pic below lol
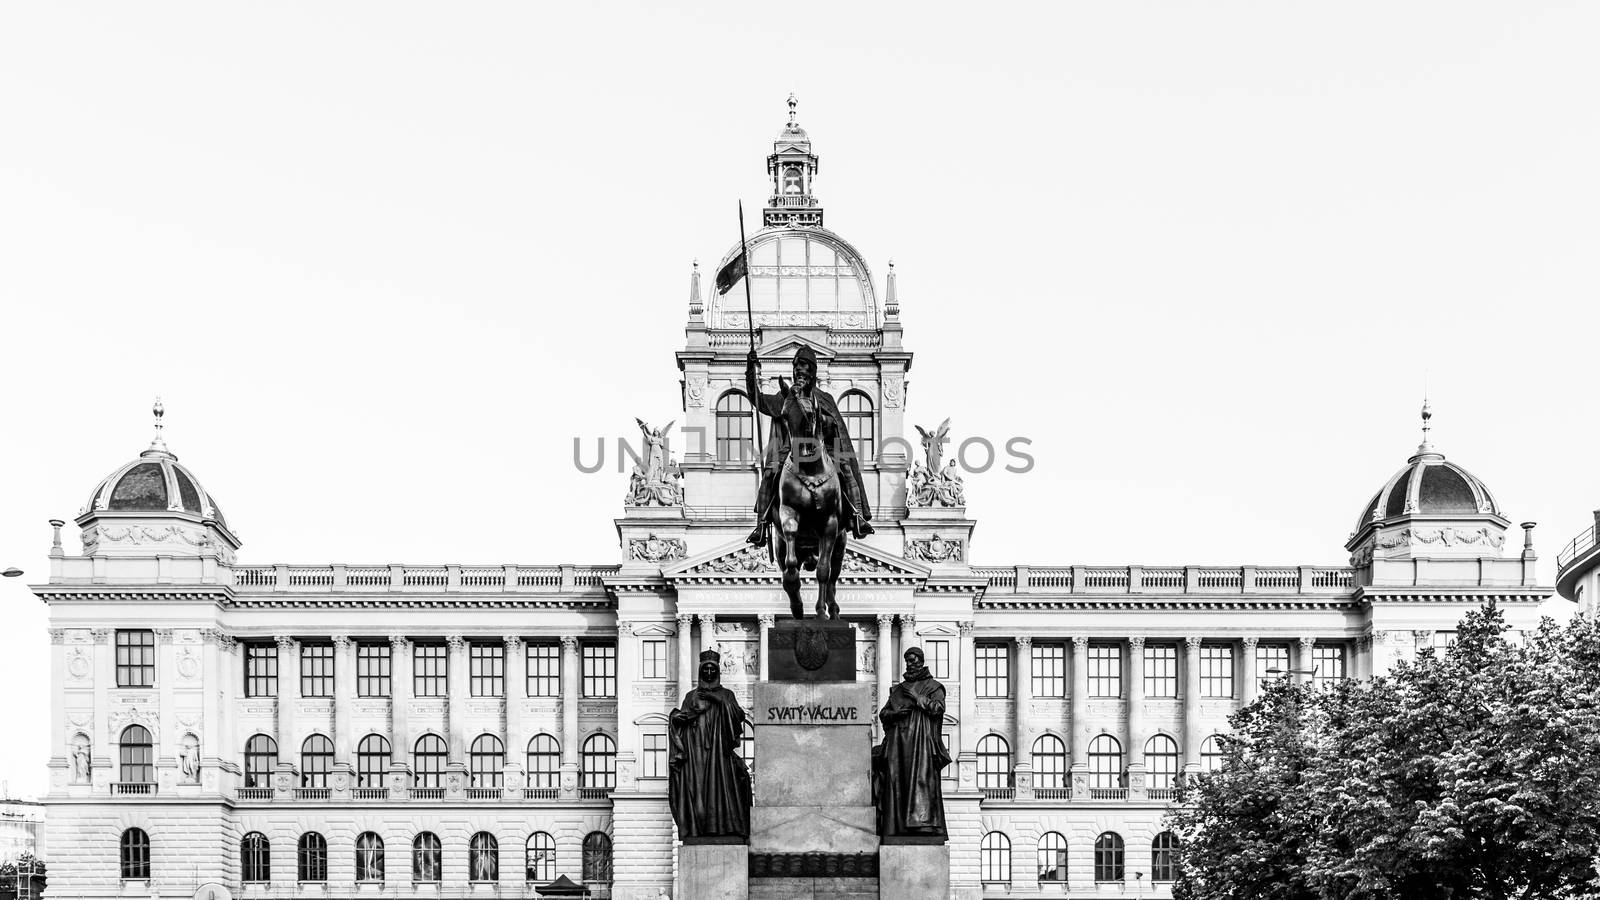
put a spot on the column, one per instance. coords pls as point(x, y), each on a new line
point(1361, 664)
point(344, 672)
point(288, 692)
point(569, 715)
point(400, 695)
point(686, 667)
point(628, 745)
point(226, 740)
point(285, 780)
point(908, 634)
point(516, 687)
point(884, 663)
point(165, 735)
point(103, 755)
point(1247, 667)
point(708, 639)
point(1021, 748)
point(211, 683)
point(1191, 704)
point(968, 678)
point(456, 688)
point(1302, 663)
point(1135, 735)
point(1080, 716)
point(766, 621)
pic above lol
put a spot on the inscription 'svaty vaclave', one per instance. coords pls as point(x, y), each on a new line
point(815, 712)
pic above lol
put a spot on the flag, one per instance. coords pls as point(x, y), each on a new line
point(730, 274)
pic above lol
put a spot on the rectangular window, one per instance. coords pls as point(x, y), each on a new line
point(599, 670)
point(136, 658)
point(655, 756)
point(316, 670)
point(544, 670)
point(1161, 670)
point(938, 658)
point(652, 659)
point(1216, 670)
point(1049, 670)
point(261, 670)
point(1443, 640)
point(372, 670)
point(1105, 670)
point(1328, 661)
point(1272, 661)
point(487, 664)
point(994, 670)
point(430, 670)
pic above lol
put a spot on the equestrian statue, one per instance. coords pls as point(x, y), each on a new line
point(811, 497)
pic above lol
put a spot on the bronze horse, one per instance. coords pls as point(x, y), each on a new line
point(809, 510)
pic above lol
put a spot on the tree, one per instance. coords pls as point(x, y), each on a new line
point(1470, 774)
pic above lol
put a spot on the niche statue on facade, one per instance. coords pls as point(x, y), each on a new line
point(708, 786)
point(80, 760)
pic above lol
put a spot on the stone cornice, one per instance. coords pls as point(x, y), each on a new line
point(411, 601)
point(1474, 595)
point(98, 593)
point(1165, 602)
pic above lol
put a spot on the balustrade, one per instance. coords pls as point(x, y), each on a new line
point(1164, 579)
point(133, 787)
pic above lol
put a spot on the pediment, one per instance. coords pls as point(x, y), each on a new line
point(785, 345)
point(741, 561)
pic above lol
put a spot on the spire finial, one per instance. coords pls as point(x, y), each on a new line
point(1427, 413)
point(792, 104)
point(158, 447)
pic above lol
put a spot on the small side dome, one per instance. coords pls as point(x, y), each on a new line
point(154, 500)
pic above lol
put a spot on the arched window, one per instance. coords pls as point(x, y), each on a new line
point(597, 858)
point(312, 854)
point(1105, 762)
point(369, 857)
point(747, 746)
point(428, 760)
point(734, 428)
point(857, 412)
point(483, 857)
point(137, 756)
point(1052, 857)
point(1164, 857)
point(995, 856)
point(994, 763)
point(1108, 857)
point(541, 858)
point(134, 853)
point(316, 761)
point(1049, 762)
point(544, 763)
point(255, 858)
point(1212, 756)
point(488, 759)
point(1161, 761)
point(599, 763)
point(372, 761)
point(427, 858)
point(260, 758)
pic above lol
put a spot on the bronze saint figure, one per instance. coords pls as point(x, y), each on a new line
point(708, 786)
point(906, 767)
point(811, 490)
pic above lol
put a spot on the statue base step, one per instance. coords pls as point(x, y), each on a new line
point(913, 871)
point(714, 871)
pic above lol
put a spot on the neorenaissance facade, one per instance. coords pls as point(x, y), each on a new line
point(240, 728)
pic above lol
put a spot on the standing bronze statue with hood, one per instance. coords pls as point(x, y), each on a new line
point(907, 766)
point(811, 489)
point(708, 787)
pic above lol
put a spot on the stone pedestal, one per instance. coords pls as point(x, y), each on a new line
point(813, 831)
point(913, 871)
point(713, 872)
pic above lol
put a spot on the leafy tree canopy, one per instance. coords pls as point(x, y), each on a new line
point(1471, 773)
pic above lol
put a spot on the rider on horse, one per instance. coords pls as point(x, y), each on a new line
point(835, 436)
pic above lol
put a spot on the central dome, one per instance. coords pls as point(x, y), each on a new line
point(800, 277)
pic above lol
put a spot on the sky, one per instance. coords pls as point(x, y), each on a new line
point(384, 261)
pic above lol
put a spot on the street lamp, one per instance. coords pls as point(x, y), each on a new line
point(11, 573)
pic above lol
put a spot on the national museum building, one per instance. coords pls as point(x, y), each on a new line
point(476, 729)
